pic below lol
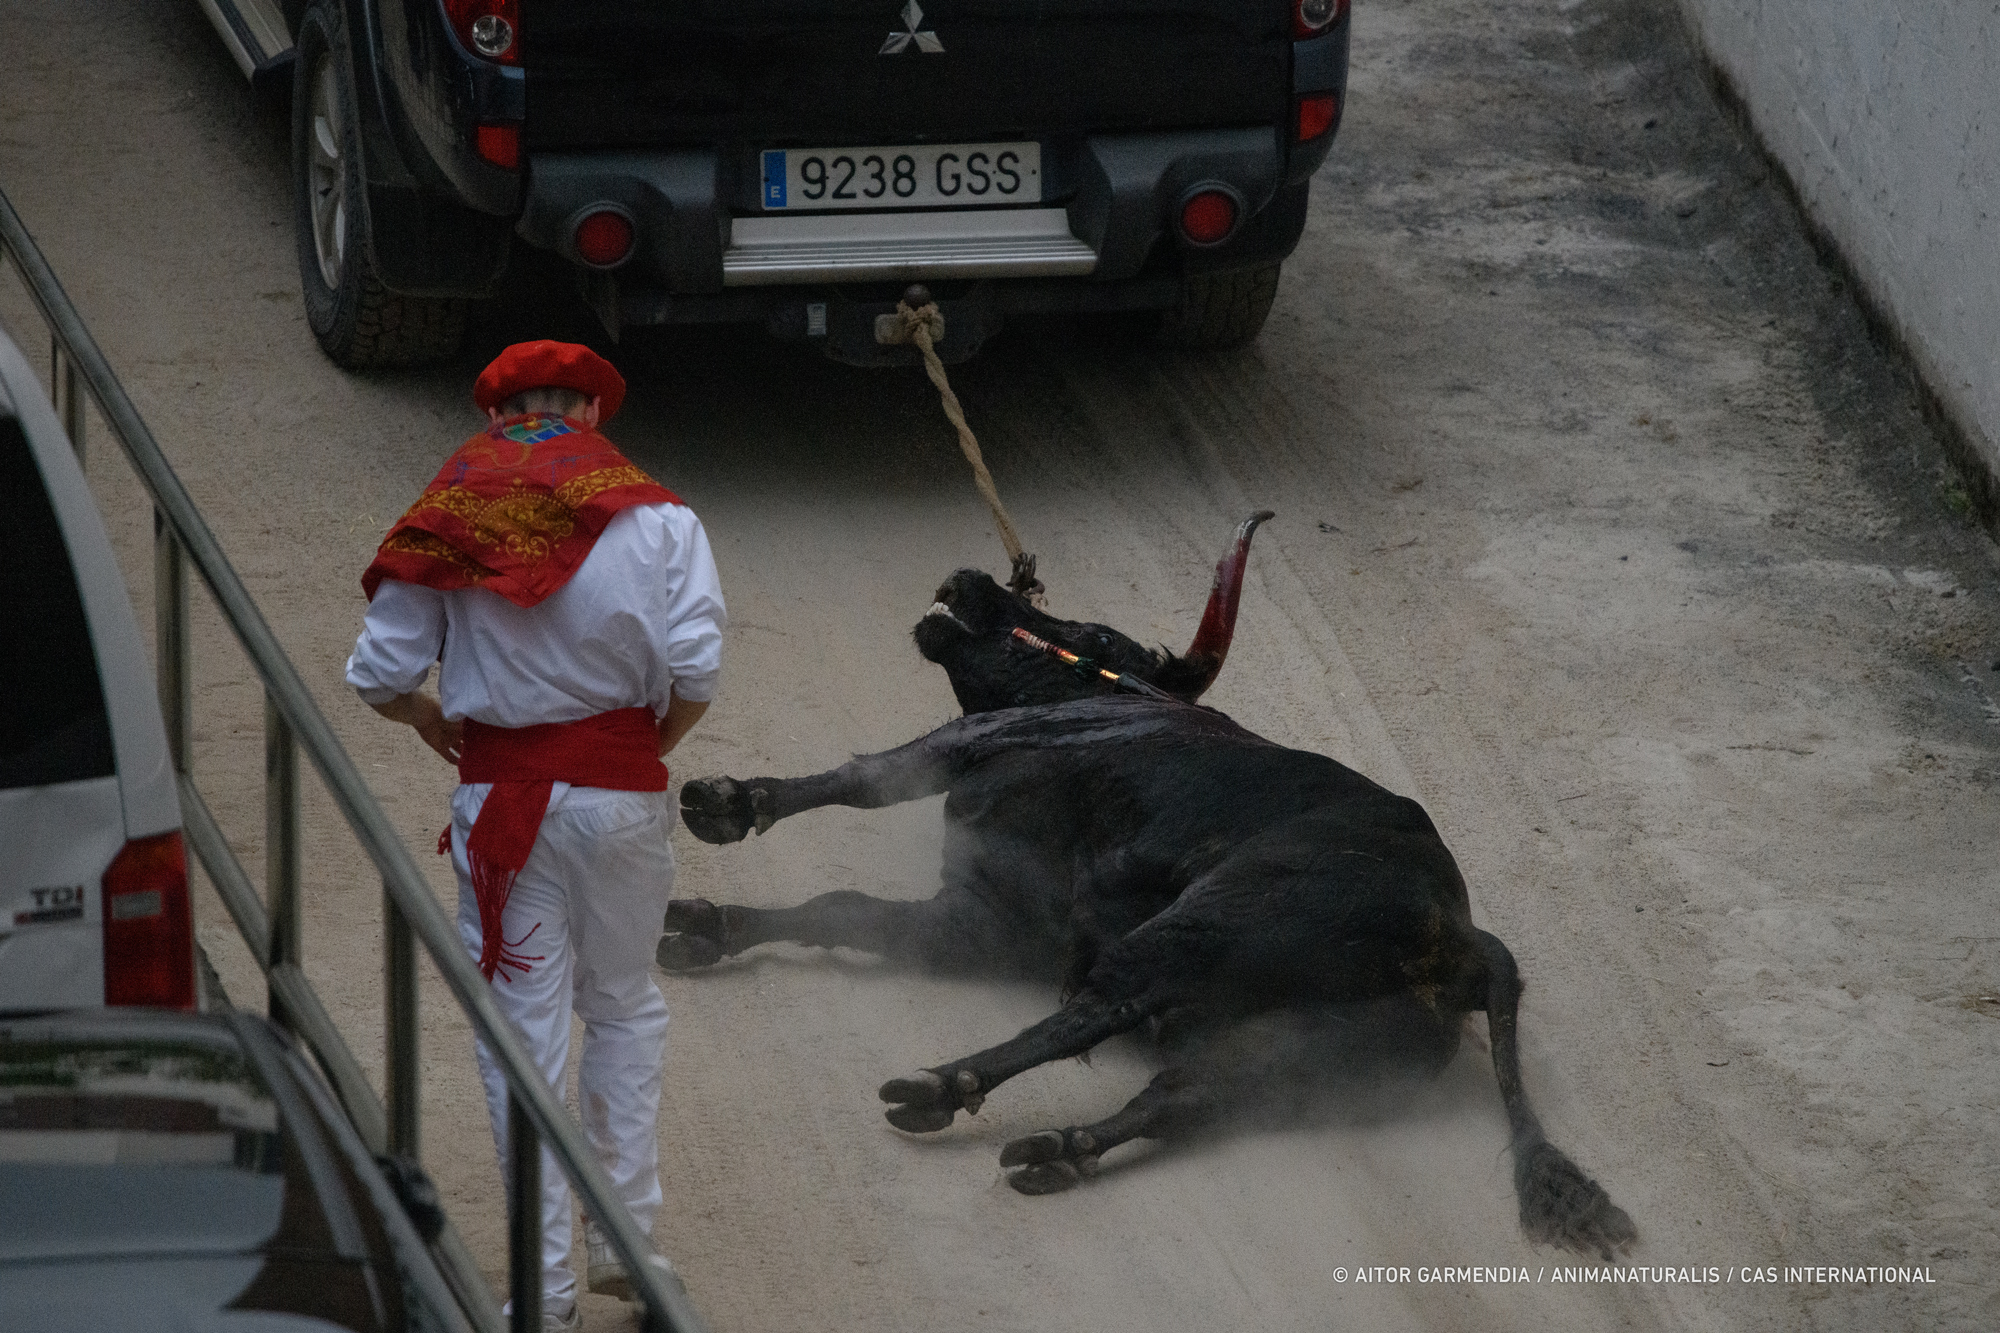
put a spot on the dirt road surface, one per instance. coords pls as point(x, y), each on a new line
point(1603, 531)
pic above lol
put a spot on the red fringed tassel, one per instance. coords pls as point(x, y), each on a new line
point(501, 839)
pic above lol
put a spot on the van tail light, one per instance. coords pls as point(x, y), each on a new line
point(1310, 18)
point(1316, 113)
point(491, 29)
point(148, 925)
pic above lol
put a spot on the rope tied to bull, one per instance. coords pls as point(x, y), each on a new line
point(917, 320)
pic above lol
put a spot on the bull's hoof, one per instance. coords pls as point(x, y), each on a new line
point(694, 936)
point(686, 953)
point(1051, 1161)
point(717, 810)
point(694, 916)
point(924, 1103)
point(1046, 1146)
point(1046, 1177)
point(920, 1119)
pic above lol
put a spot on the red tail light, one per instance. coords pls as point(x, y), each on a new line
point(1310, 18)
point(148, 926)
point(1316, 112)
point(1208, 216)
point(500, 145)
point(491, 29)
point(604, 238)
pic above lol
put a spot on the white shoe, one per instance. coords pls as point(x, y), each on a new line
point(569, 1323)
point(604, 1272)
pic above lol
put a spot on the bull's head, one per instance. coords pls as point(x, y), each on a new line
point(969, 632)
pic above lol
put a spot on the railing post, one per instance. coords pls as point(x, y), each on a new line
point(66, 387)
point(173, 653)
point(399, 1017)
point(281, 846)
point(524, 1218)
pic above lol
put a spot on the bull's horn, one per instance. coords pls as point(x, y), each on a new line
point(1218, 622)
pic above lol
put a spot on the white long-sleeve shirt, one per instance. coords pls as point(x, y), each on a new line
point(639, 622)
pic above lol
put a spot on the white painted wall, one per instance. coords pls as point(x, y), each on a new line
point(1886, 113)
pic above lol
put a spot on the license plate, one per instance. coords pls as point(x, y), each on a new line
point(958, 175)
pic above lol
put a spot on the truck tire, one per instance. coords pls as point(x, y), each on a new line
point(1220, 310)
point(359, 323)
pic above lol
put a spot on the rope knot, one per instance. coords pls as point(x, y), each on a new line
point(924, 325)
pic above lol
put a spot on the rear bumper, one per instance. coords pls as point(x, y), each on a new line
point(840, 316)
point(1106, 217)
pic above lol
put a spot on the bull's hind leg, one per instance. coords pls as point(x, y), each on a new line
point(929, 1099)
point(1276, 1067)
point(1176, 1103)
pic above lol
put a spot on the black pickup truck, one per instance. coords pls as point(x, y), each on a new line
point(795, 163)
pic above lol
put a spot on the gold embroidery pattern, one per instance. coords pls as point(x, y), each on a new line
point(577, 491)
point(453, 500)
point(527, 524)
point(416, 542)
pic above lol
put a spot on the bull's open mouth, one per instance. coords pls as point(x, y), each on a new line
point(940, 609)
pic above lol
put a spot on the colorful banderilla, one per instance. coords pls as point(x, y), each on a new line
point(1123, 681)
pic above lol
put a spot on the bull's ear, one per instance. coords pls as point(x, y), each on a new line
point(1186, 677)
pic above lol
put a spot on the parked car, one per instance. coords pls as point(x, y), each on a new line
point(191, 1173)
point(796, 165)
point(93, 877)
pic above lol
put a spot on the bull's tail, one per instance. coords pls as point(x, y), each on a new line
point(1560, 1205)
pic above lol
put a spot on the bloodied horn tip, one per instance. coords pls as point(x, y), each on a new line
point(1218, 620)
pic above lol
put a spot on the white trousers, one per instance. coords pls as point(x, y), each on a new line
point(586, 912)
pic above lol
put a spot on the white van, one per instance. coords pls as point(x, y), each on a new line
point(93, 877)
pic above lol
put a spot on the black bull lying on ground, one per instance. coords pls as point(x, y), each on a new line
point(1272, 916)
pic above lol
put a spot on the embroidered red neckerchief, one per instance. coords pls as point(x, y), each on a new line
point(514, 511)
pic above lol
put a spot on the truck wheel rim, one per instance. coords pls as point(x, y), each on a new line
point(327, 177)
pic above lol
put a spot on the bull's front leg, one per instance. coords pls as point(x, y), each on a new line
point(721, 810)
point(929, 1099)
point(726, 809)
point(700, 932)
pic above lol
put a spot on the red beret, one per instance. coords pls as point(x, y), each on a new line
point(550, 365)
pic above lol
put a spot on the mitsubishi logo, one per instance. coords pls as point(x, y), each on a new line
point(899, 42)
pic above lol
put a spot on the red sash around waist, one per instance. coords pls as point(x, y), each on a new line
point(619, 750)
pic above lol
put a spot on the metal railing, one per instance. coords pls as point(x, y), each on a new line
point(292, 721)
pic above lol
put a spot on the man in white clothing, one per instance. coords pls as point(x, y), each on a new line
point(573, 609)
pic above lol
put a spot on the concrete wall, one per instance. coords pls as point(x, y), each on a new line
point(1886, 114)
